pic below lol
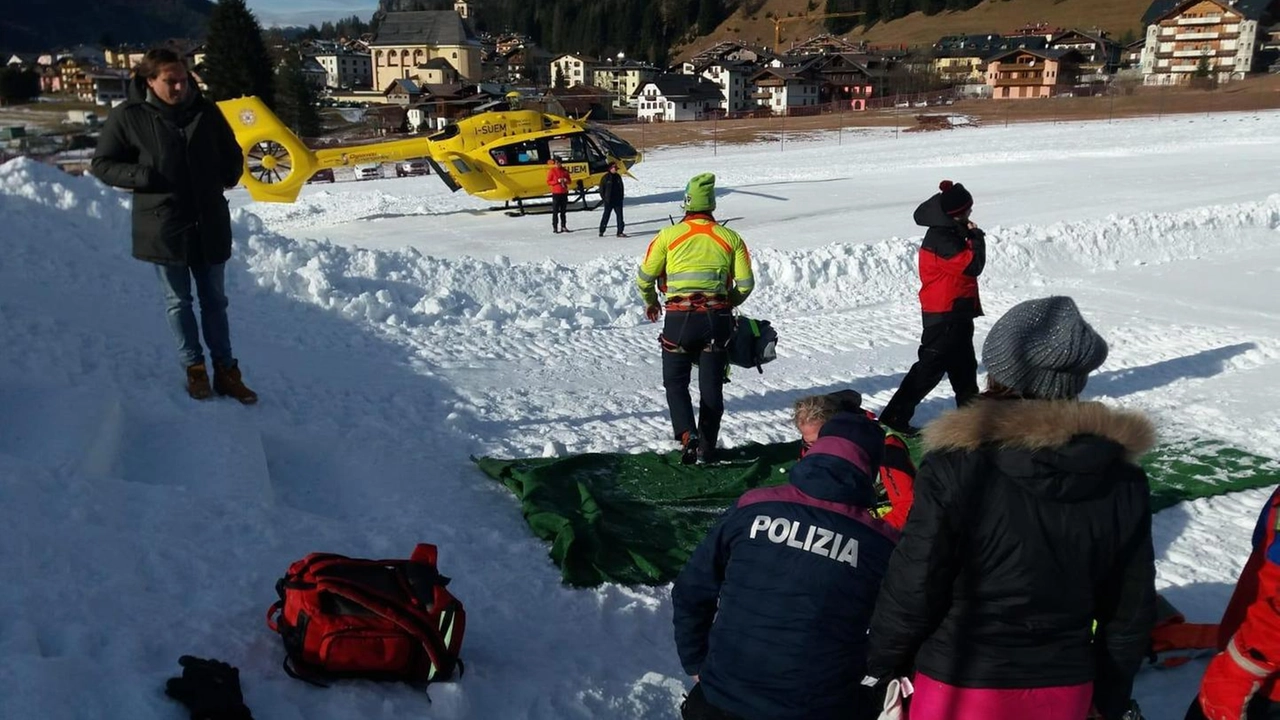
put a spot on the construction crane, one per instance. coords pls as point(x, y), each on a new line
point(779, 22)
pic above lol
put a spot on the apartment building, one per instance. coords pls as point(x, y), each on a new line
point(1213, 38)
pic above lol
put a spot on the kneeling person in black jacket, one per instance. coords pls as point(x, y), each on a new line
point(771, 612)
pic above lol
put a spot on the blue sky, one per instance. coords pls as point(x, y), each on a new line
point(306, 12)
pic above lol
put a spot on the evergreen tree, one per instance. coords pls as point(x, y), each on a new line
point(870, 12)
point(18, 85)
point(295, 98)
point(842, 25)
point(888, 10)
point(708, 16)
point(352, 27)
point(557, 80)
point(625, 35)
point(653, 36)
point(1202, 67)
point(236, 59)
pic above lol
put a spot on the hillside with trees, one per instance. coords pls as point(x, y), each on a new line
point(922, 22)
point(38, 26)
point(660, 31)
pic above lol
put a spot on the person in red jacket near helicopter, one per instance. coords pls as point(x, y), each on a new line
point(1243, 681)
point(558, 180)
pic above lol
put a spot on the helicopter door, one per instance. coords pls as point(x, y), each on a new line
point(463, 173)
point(576, 155)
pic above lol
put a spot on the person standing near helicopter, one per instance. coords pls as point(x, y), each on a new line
point(704, 269)
point(558, 180)
point(611, 196)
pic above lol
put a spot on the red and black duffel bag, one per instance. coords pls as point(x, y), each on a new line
point(344, 617)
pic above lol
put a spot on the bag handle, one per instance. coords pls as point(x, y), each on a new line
point(391, 611)
point(273, 613)
point(425, 554)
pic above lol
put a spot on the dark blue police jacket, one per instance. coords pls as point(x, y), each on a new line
point(772, 609)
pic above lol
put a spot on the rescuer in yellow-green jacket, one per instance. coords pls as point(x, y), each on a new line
point(704, 270)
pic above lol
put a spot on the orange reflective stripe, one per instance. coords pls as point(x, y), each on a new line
point(649, 251)
point(695, 231)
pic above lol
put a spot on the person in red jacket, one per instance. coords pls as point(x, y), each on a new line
point(1243, 681)
point(558, 180)
point(952, 256)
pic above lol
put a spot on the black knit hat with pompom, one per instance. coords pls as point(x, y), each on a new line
point(955, 199)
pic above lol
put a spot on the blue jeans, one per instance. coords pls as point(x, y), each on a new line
point(211, 289)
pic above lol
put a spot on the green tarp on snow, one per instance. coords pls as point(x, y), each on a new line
point(634, 518)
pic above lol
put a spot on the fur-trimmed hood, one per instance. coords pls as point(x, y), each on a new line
point(1038, 425)
point(1062, 450)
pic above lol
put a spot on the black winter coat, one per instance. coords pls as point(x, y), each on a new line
point(612, 192)
point(772, 608)
point(1031, 520)
point(177, 161)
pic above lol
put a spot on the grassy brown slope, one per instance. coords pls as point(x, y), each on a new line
point(1004, 16)
point(994, 16)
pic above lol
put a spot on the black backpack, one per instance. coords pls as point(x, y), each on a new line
point(753, 343)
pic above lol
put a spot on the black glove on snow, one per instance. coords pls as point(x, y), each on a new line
point(210, 689)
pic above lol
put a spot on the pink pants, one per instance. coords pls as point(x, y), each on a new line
point(935, 700)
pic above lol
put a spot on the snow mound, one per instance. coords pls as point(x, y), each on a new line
point(145, 526)
point(321, 208)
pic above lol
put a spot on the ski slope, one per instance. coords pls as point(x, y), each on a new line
point(393, 329)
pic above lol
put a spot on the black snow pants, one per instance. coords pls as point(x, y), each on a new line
point(693, 332)
point(604, 218)
point(559, 211)
point(946, 348)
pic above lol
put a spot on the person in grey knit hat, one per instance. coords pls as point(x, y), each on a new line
point(1026, 563)
point(1043, 349)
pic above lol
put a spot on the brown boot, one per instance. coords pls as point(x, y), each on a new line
point(198, 382)
point(226, 381)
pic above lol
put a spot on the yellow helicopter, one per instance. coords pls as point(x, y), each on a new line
point(498, 155)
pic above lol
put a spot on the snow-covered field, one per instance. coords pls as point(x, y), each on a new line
point(393, 330)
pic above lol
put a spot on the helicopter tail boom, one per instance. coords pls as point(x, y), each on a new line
point(278, 163)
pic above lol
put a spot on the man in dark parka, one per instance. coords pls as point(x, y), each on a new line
point(612, 195)
point(173, 148)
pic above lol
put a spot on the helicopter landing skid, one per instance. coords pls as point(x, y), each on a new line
point(521, 208)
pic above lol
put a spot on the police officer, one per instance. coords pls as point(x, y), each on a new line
point(771, 611)
point(704, 270)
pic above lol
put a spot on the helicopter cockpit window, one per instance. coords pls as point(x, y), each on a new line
point(596, 160)
point(567, 148)
point(615, 145)
point(521, 153)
